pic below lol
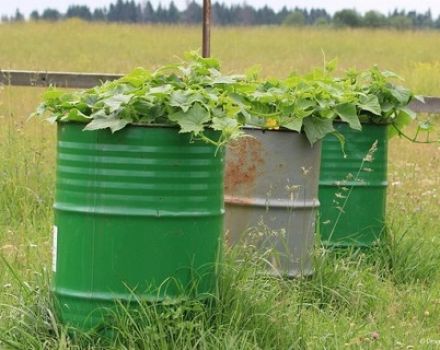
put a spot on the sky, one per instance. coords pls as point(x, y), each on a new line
point(26, 6)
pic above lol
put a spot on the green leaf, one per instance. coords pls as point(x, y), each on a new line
point(389, 74)
point(76, 116)
point(370, 103)
point(161, 90)
point(178, 98)
point(305, 104)
point(401, 94)
point(115, 102)
point(293, 124)
point(41, 109)
point(224, 123)
point(137, 77)
point(229, 126)
point(253, 72)
point(401, 120)
point(341, 140)
point(224, 80)
point(52, 95)
point(113, 123)
point(426, 125)
point(419, 98)
point(193, 120)
point(264, 97)
point(387, 106)
point(409, 112)
point(347, 112)
point(52, 119)
point(196, 97)
point(317, 128)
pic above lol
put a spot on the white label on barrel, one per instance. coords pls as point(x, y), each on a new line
point(54, 248)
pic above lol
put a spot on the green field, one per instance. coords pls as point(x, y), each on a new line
point(385, 298)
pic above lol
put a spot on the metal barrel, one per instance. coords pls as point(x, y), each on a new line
point(352, 189)
point(138, 215)
point(271, 197)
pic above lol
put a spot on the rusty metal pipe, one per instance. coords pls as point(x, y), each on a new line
point(206, 47)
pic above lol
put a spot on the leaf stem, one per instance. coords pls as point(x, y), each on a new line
point(414, 139)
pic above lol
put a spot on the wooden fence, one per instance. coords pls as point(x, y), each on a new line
point(88, 80)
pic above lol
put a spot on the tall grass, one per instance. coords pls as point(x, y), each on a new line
point(96, 47)
point(383, 298)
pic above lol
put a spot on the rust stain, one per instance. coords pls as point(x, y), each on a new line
point(244, 160)
point(238, 200)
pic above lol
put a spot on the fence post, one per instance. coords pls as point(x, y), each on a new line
point(206, 47)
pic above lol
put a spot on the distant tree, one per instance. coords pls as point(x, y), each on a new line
point(374, 19)
point(423, 20)
point(396, 13)
point(320, 15)
point(244, 15)
point(35, 16)
point(173, 14)
point(117, 12)
point(161, 14)
point(192, 13)
point(347, 18)
point(400, 22)
point(321, 22)
point(295, 18)
point(113, 13)
point(221, 14)
point(137, 11)
point(282, 14)
point(99, 15)
point(79, 11)
point(4, 19)
point(148, 14)
point(412, 15)
point(265, 15)
point(437, 23)
point(18, 17)
point(50, 15)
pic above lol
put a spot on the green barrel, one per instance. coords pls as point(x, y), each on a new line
point(352, 189)
point(138, 215)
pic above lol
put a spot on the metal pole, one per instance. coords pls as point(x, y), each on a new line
point(206, 48)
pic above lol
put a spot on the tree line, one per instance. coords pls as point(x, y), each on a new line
point(135, 12)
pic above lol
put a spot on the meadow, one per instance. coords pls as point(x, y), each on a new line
point(387, 297)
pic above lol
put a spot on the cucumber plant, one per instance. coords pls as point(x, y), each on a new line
point(195, 96)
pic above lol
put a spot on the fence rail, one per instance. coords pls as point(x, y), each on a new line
point(60, 79)
point(88, 80)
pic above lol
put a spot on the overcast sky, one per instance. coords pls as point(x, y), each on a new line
point(26, 6)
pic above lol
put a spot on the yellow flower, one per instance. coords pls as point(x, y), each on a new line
point(272, 123)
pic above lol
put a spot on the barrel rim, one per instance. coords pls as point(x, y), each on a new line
point(281, 129)
point(167, 126)
point(363, 121)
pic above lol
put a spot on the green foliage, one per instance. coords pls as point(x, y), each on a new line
point(130, 11)
point(322, 22)
point(374, 19)
point(195, 96)
point(347, 18)
point(400, 22)
point(295, 18)
point(382, 101)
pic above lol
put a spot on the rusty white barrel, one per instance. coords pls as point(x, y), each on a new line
point(271, 198)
